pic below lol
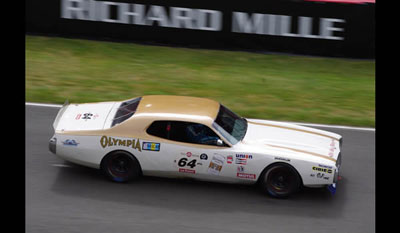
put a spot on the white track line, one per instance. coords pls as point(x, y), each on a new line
point(60, 165)
point(43, 105)
point(333, 126)
point(298, 123)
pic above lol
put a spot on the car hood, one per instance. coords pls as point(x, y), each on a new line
point(293, 138)
point(90, 116)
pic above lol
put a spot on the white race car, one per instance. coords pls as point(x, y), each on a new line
point(190, 137)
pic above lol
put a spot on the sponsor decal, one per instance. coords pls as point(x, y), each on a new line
point(185, 170)
point(70, 142)
point(139, 14)
point(325, 166)
point(203, 19)
point(281, 25)
point(332, 148)
point(203, 156)
point(229, 159)
point(110, 141)
point(242, 158)
point(152, 146)
point(241, 161)
point(216, 164)
point(283, 159)
point(322, 169)
point(246, 175)
point(322, 176)
point(240, 169)
point(189, 154)
point(86, 116)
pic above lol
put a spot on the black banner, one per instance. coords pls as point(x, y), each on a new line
point(293, 26)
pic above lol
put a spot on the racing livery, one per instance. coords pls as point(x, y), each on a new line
point(190, 137)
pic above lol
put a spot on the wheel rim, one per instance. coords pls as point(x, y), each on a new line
point(120, 166)
point(281, 181)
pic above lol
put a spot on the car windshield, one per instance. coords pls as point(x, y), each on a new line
point(229, 125)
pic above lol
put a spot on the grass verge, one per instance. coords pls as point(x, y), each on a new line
point(275, 87)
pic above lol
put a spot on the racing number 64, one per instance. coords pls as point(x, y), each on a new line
point(183, 162)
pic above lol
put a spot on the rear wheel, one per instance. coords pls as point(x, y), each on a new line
point(280, 180)
point(121, 166)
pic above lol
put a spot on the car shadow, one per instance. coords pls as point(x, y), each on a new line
point(82, 182)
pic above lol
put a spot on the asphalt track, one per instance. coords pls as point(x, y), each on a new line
point(63, 197)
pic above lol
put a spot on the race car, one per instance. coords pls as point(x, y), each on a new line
point(199, 138)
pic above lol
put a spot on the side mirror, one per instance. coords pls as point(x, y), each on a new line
point(220, 142)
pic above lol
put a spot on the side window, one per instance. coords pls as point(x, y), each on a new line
point(159, 129)
point(200, 134)
point(183, 132)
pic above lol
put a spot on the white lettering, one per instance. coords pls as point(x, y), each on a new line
point(281, 25)
point(132, 13)
point(305, 27)
point(215, 20)
point(241, 22)
point(182, 17)
point(74, 9)
point(285, 26)
point(270, 24)
point(105, 12)
point(327, 28)
point(199, 19)
point(157, 14)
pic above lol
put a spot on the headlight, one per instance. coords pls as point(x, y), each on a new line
point(335, 176)
point(338, 164)
point(339, 161)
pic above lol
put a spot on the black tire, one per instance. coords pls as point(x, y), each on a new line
point(280, 180)
point(121, 166)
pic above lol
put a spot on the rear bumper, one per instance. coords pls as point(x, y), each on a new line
point(53, 145)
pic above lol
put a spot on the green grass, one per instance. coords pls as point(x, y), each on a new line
point(275, 87)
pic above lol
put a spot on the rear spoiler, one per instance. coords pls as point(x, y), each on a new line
point(60, 113)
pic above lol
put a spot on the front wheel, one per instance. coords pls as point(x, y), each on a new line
point(280, 180)
point(120, 166)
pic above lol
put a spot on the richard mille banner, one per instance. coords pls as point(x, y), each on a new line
point(277, 26)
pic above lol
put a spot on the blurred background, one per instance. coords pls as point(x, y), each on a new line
point(291, 60)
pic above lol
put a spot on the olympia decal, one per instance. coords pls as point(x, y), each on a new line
point(110, 141)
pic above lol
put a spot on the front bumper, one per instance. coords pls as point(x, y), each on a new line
point(336, 178)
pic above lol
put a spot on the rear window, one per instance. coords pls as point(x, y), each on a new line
point(126, 110)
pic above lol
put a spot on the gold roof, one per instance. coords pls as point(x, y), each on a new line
point(160, 107)
point(169, 105)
